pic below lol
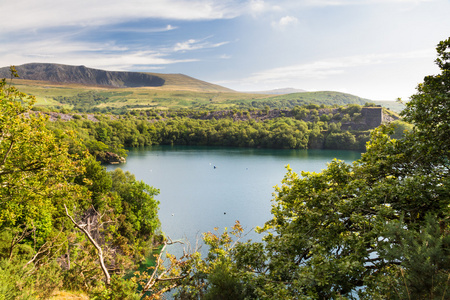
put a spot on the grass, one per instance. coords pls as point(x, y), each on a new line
point(179, 92)
point(319, 97)
point(60, 295)
point(392, 105)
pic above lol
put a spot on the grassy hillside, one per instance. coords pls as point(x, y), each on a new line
point(391, 105)
point(90, 90)
point(324, 97)
point(186, 83)
point(179, 91)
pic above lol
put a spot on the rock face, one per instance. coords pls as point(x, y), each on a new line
point(110, 158)
point(83, 75)
point(372, 117)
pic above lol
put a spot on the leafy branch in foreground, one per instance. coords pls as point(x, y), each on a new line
point(376, 229)
point(39, 178)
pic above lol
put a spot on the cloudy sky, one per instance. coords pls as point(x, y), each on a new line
point(377, 49)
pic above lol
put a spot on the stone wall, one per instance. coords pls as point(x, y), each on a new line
point(373, 116)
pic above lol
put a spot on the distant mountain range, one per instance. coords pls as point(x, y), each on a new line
point(65, 74)
point(140, 89)
point(83, 75)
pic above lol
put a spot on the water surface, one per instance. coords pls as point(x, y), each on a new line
point(206, 187)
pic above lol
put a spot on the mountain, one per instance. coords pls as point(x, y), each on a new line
point(65, 74)
point(86, 89)
point(280, 91)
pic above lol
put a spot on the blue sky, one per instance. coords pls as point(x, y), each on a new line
point(377, 49)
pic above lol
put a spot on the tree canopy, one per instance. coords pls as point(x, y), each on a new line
point(374, 229)
point(42, 173)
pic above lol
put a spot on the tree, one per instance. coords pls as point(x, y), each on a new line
point(36, 178)
point(35, 167)
point(41, 180)
point(376, 229)
point(428, 110)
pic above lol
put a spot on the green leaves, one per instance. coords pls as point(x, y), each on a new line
point(139, 207)
point(428, 110)
point(35, 167)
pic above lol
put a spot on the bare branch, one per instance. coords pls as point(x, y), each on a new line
point(17, 239)
point(154, 278)
point(93, 242)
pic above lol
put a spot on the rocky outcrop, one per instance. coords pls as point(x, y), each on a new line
point(371, 117)
point(83, 75)
point(110, 158)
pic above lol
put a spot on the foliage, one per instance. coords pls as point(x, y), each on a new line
point(35, 170)
point(428, 110)
point(376, 229)
point(139, 208)
point(118, 290)
point(43, 170)
point(299, 128)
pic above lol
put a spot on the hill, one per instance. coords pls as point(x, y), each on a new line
point(323, 97)
point(280, 91)
point(65, 74)
point(90, 90)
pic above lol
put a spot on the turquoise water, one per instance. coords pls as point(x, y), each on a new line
point(203, 187)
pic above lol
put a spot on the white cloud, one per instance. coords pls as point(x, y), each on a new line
point(324, 69)
point(145, 30)
point(285, 22)
point(359, 2)
point(97, 55)
point(258, 7)
point(37, 14)
point(193, 44)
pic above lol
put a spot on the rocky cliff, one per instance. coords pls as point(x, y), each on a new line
point(83, 75)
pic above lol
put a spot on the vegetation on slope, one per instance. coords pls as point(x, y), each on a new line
point(179, 92)
point(376, 229)
point(309, 127)
point(48, 184)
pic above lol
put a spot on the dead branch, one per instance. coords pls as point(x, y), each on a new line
point(93, 242)
point(18, 238)
point(162, 291)
point(154, 279)
point(46, 247)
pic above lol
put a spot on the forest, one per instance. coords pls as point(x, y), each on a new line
point(303, 127)
point(374, 229)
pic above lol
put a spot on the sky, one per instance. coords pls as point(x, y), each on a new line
point(375, 49)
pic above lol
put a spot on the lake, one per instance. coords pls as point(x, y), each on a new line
point(206, 187)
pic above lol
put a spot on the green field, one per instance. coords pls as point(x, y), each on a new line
point(179, 92)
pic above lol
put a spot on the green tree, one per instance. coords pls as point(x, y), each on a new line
point(139, 207)
point(428, 110)
point(40, 249)
point(35, 167)
point(36, 178)
point(376, 229)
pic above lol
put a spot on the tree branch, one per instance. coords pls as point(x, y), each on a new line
point(93, 242)
point(7, 153)
point(153, 280)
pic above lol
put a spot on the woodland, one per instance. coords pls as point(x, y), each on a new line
point(374, 229)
